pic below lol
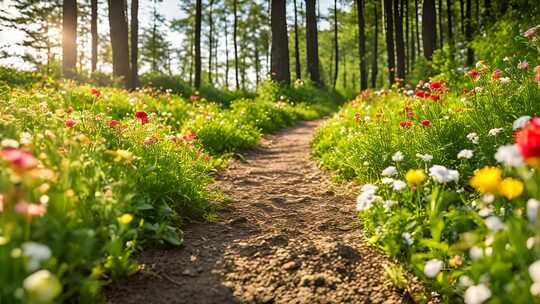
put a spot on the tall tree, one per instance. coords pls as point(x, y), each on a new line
point(210, 39)
point(374, 52)
point(360, 7)
point(198, 17)
point(298, 70)
point(416, 23)
point(69, 38)
point(119, 39)
point(412, 50)
point(94, 33)
point(134, 43)
point(449, 18)
point(336, 45)
point(469, 32)
point(400, 45)
point(441, 30)
point(429, 28)
point(235, 42)
point(312, 43)
point(280, 42)
point(390, 40)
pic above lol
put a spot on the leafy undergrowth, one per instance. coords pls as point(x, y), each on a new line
point(90, 175)
point(451, 179)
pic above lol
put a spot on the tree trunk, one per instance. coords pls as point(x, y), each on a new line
point(94, 33)
point(390, 40)
point(449, 16)
point(462, 15)
point(312, 43)
point(469, 33)
point(119, 39)
point(416, 23)
point(407, 34)
point(235, 42)
point(280, 43)
point(336, 45)
point(134, 43)
point(429, 28)
point(360, 6)
point(198, 17)
point(226, 55)
point(400, 45)
point(298, 70)
point(412, 51)
point(210, 41)
point(441, 33)
point(374, 54)
point(69, 38)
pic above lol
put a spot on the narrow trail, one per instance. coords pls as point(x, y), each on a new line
point(290, 236)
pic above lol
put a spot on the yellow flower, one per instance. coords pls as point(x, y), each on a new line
point(123, 155)
point(415, 176)
point(125, 219)
point(486, 180)
point(455, 261)
point(511, 188)
point(42, 287)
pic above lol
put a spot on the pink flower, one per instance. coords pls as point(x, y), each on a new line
point(496, 74)
point(19, 159)
point(189, 136)
point(142, 116)
point(113, 123)
point(530, 32)
point(150, 140)
point(69, 109)
point(29, 209)
point(69, 123)
point(523, 65)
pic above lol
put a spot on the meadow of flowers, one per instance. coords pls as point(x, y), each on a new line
point(89, 175)
point(451, 180)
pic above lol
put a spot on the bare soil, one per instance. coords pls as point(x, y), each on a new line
point(289, 236)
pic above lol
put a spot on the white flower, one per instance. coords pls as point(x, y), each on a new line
point(42, 287)
point(387, 180)
point(9, 143)
point(397, 157)
point(369, 188)
point(433, 267)
point(477, 294)
point(532, 210)
point(494, 223)
point(465, 281)
point(473, 137)
point(476, 253)
point(25, 138)
point(534, 271)
point(535, 289)
point(443, 175)
point(425, 157)
point(521, 122)
point(366, 197)
point(389, 171)
point(366, 163)
point(399, 185)
point(388, 204)
point(488, 198)
point(37, 253)
point(465, 154)
point(530, 242)
point(485, 212)
point(509, 155)
point(504, 80)
point(495, 131)
point(407, 237)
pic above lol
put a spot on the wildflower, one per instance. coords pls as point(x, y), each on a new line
point(189, 135)
point(125, 219)
point(69, 110)
point(532, 210)
point(455, 261)
point(486, 180)
point(523, 65)
point(443, 175)
point(388, 204)
point(95, 92)
point(530, 242)
point(150, 140)
point(387, 180)
point(398, 185)
point(407, 237)
point(397, 157)
point(495, 131)
point(433, 267)
point(142, 117)
point(425, 122)
point(122, 155)
point(36, 253)
point(530, 32)
point(9, 143)
point(473, 138)
point(476, 253)
point(488, 198)
point(496, 74)
point(25, 138)
point(389, 171)
point(30, 209)
point(415, 176)
point(370, 188)
point(365, 200)
point(69, 123)
point(42, 287)
point(528, 141)
point(521, 122)
point(425, 157)
point(113, 123)
point(465, 154)
point(474, 74)
point(494, 223)
point(511, 188)
point(435, 97)
point(477, 294)
point(505, 80)
point(421, 93)
point(405, 123)
point(19, 159)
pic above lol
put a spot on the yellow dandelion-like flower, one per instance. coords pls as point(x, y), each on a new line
point(415, 176)
point(486, 180)
point(125, 219)
point(511, 188)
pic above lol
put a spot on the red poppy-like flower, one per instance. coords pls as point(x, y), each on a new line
point(150, 140)
point(19, 159)
point(405, 123)
point(436, 85)
point(69, 109)
point(421, 93)
point(425, 122)
point(194, 98)
point(474, 74)
point(435, 97)
point(142, 117)
point(95, 92)
point(496, 74)
point(528, 141)
point(69, 123)
point(410, 114)
point(113, 123)
point(189, 136)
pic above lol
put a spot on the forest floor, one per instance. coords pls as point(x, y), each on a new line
point(289, 236)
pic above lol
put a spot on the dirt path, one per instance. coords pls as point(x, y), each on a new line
point(290, 236)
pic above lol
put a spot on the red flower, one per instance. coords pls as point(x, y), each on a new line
point(437, 85)
point(95, 92)
point(474, 74)
point(410, 114)
point(405, 123)
point(357, 117)
point(69, 123)
point(194, 98)
point(425, 122)
point(189, 136)
point(435, 97)
point(421, 93)
point(152, 139)
point(113, 123)
point(19, 159)
point(69, 109)
point(496, 74)
point(528, 141)
point(142, 116)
